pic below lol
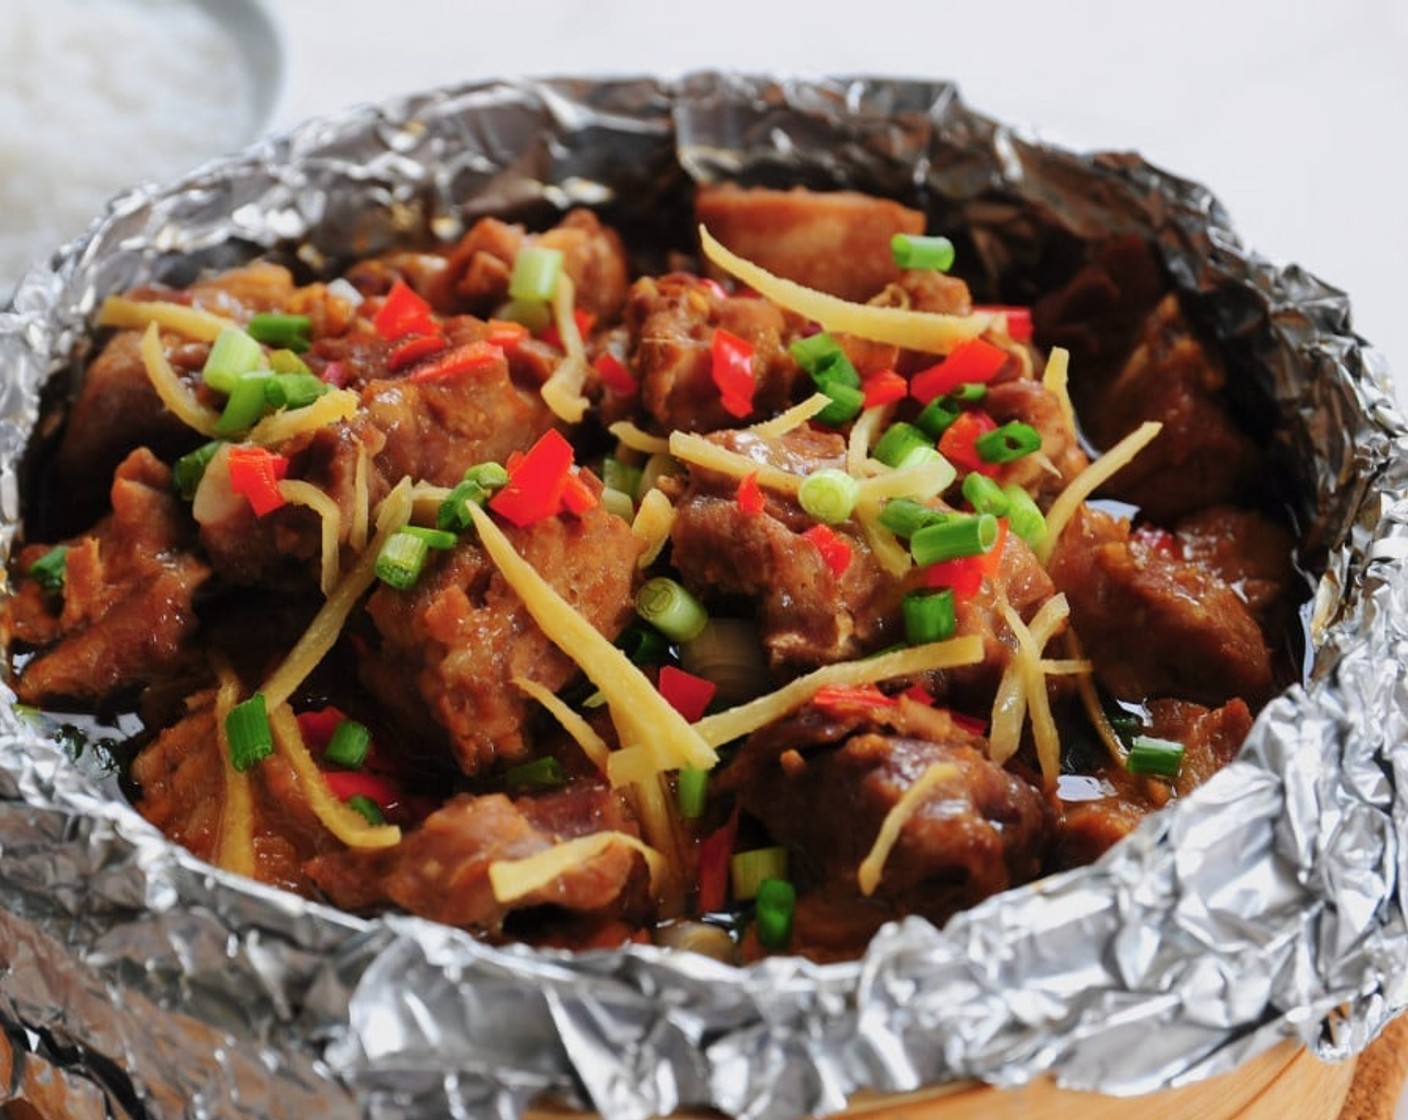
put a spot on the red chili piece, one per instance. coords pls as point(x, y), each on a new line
point(687, 694)
point(973, 362)
point(1019, 319)
point(731, 366)
point(971, 724)
point(505, 333)
point(255, 472)
point(461, 360)
point(835, 550)
point(317, 727)
point(884, 387)
point(612, 373)
point(536, 482)
point(715, 851)
point(335, 374)
point(351, 783)
point(577, 496)
point(403, 312)
point(957, 444)
point(412, 349)
point(835, 699)
point(964, 576)
point(750, 494)
point(990, 562)
point(585, 320)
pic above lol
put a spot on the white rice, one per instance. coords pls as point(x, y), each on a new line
point(96, 95)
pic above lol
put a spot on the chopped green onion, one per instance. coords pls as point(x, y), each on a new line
point(970, 392)
point(915, 251)
point(829, 495)
point(453, 513)
point(928, 616)
point(985, 495)
point(748, 870)
point(533, 314)
point(293, 390)
point(917, 457)
point(189, 469)
point(643, 644)
point(935, 417)
point(693, 791)
point(619, 503)
point(232, 355)
point(286, 361)
point(960, 535)
point(535, 272)
point(1148, 755)
point(541, 773)
point(349, 745)
point(246, 404)
point(48, 570)
point(671, 609)
point(401, 559)
point(904, 516)
point(367, 807)
point(616, 475)
point(822, 357)
point(248, 734)
point(777, 902)
point(1025, 519)
point(434, 538)
point(1010, 442)
point(291, 332)
point(898, 441)
point(846, 404)
point(492, 476)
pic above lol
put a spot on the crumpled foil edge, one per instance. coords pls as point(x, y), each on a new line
point(1269, 905)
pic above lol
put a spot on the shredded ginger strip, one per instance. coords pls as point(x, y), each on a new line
point(726, 726)
point(1021, 681)
point(332, 407)
point(592, 744)
point(513, 879)
point(234, 850)
point(1090, 480)
point(872, 868)
point(298, 492)
point(633, 438)
point(653, 521)
point(562, 392)
point(1056, 378)
point(626, 688)
point(336, 816)
point(327, 624)
point(699, 452)
point(171, 389)
point(914, 330)
point(794, 417)
point(135, 314)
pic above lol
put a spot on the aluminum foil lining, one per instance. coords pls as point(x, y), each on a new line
point(1268, 906)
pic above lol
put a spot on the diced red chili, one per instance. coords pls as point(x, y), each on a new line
point(536, 481)
point(835, 550)
point(919, 694)
point(1019, 319)
point(964, 576)
point(505, 333)
point(975, 361)
point(750, 494)
point(577, 496)
point(884, 387)
point(412, 349)
point(972, 724)
point(731, 366)
point(713, 287)
point(613, 373)
point(990, 562)
point(461, 360)
point(585, 320)
point(403, 312)
point(255, 473)
point(335, 374)
point(715, 852)
point(687, 694)
point(317, 727)
point(957, 444)
point(352, 783)
point(1159, 540)
point(839, 699)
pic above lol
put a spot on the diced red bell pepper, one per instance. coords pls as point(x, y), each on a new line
point(577, 496)
point(585, 320)
point(536, 482)
point(687, 694)
point(1019, 319)
point(352, 783)
point(403, 312)
point(838, 699)
point(884, 387)
point(612, 373)
point(750, 494)
point(412, 349)
point(731, 366)
point(715, 852)
point(964, 576)
point(317, 727)
point(835, 550)
point(255, 472)
point(975, 361)
point(454, 363)
point(958, 443)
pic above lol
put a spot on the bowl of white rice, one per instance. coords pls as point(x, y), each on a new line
point(97, 95)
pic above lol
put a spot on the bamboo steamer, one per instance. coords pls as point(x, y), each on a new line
point(1285, 1083)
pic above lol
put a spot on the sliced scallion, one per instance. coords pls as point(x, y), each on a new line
point(535, 272)
point(985, 495)
point(49, 570)
point(913, 250)
point(619, 503)
point(898, 441)
point(189, 469)
point(671, 609)
point(748, 870)
point(492, 476)
point(829, 495)
point(286, 361)
point(692, 791)
point(928, 616)
point(643, 644)
point(822, 357)
point(540, 773)
point(293, 390)
point(846, 404)
point(453, 514)
point(777, 902)
point(616, 475)
point(960, 535)
point(246, 404)
point(935, 417)
point(349, 745)
point(401, 559)
point(367, 807)
point(1010, 442)
point(904, 516)
point(232, 354)
point(1023, 515)
point(533, 314)
point(289, 332)
point(433, 538)
point(1148, 755)
point(248, 733)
